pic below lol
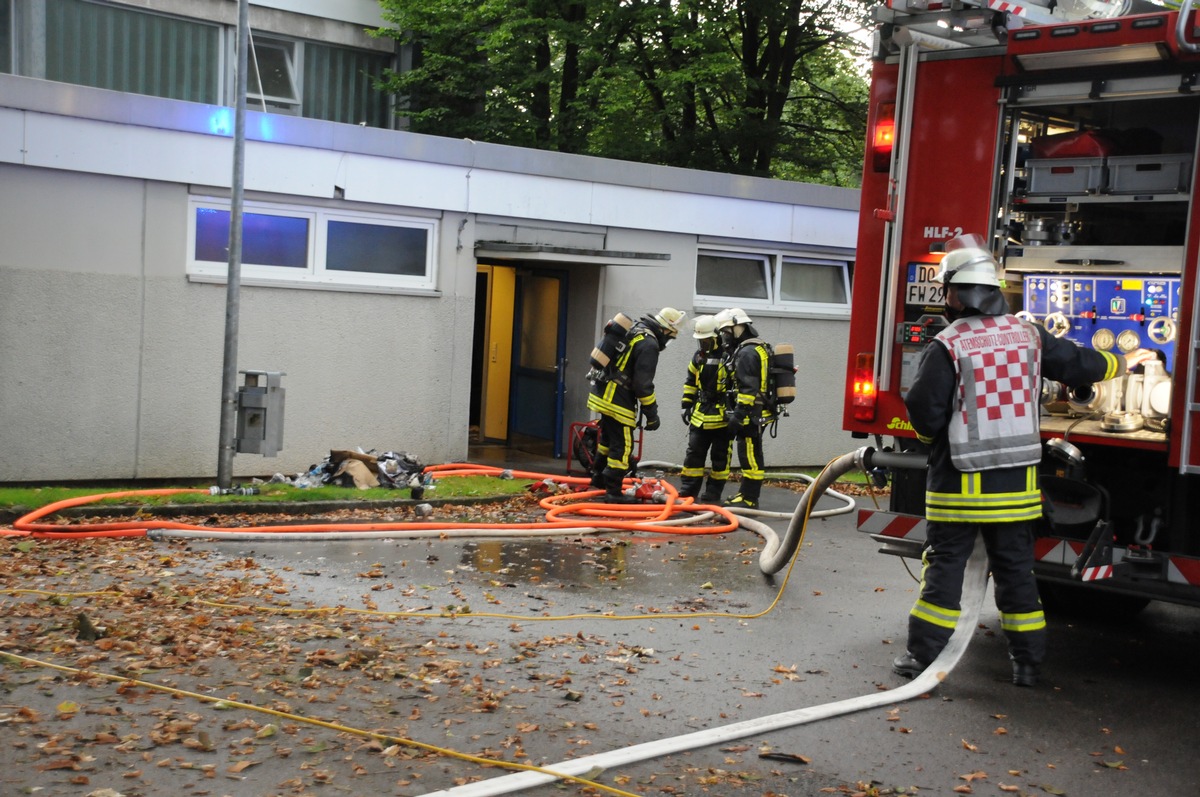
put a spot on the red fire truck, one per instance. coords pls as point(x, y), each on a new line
point(1068, 139)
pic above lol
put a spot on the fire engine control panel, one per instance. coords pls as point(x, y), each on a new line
point(912, 337)
point(919, 332)
point(1110, 313)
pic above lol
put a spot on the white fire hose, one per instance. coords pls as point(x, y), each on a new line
point(974, 584)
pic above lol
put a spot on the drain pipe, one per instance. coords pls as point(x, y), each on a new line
point(974, 583)
point(775, 557)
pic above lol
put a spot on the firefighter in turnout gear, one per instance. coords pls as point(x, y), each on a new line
point(626, 388)
point(749, 405)
point(704, 414)
point(975, 402)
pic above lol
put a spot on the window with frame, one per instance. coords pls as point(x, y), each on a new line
point(271, 75)
point(787, 282)
point(313, 247)
point(123, 49)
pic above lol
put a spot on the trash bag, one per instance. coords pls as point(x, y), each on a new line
point(397, 470)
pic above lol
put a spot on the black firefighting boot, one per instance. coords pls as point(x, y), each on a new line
point(614, 483)
point(747, 495)
point(689, 486)
point(1025, 673)
point(598, 464)
point(908, 666)
point(712, 491)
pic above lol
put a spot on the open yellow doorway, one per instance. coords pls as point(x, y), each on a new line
point(496, 290)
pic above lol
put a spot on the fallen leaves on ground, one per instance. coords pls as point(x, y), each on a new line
point(224, 622)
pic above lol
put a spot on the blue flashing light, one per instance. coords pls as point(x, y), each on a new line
point(221, 122)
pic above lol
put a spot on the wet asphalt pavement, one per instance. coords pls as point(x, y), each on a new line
point(1113, 716)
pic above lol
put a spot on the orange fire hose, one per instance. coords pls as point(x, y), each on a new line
point(566, 512)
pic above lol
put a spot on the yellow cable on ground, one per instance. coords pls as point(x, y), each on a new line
point(333, 726)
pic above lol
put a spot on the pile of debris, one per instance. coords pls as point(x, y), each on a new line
point(364, 470)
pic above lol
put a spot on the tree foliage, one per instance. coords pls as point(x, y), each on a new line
point(758, 87)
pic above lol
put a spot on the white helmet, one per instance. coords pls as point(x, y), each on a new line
point(968, 266)
point(670, 320)
point(734, 315)
point(705, 326)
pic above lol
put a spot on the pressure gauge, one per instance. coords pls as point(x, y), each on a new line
point(1103, 339)
point(1128, 340)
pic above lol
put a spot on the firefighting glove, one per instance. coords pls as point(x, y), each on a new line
point(652, 421)
point(686, 414)
point(734, 420)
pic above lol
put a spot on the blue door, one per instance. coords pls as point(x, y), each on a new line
point(539, 358)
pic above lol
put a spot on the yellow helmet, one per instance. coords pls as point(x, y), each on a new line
point(705, 327)
point(670, 320)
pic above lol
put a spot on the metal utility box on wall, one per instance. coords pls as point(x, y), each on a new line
point(260, 414)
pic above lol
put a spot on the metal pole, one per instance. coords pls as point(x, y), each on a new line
point(234, 278)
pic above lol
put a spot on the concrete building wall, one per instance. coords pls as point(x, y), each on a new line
point(112, 361)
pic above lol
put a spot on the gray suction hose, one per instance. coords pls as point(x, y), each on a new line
point(776, 553)
point(974, 583)
point(847, 502)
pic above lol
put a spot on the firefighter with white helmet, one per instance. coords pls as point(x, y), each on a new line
point(749, 407)
point(974, 402)
point(704, 413)
point(974, 274)
point(625, 389)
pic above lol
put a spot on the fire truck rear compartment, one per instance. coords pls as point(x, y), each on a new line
point(1073, 149)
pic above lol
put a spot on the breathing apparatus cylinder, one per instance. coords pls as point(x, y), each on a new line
point(613, 342)
point(783, 369)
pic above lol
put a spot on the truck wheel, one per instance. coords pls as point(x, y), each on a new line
point(1078, 600)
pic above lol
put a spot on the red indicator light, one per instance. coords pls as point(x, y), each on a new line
point(862, 396)
point(883, 138)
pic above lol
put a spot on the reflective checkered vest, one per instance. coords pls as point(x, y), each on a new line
point(997, 361)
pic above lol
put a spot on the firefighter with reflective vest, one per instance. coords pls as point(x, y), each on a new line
point(704, 414)
point(975, 402)
point(626, 388)
point(749, 405)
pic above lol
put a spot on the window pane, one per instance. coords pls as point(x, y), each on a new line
point(739, 277)
point(5, 37)
point(266, 240)
point(125, 50)
point(272, 65)
point(376, 249)
point(813, 282)
point(339, 85)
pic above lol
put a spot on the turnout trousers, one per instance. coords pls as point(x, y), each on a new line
point(700, 442)
point(1010, 558)
point(748, 440)
point(614, 443)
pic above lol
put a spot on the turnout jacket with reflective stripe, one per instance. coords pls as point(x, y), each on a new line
point(750, 386)
point(996, 480)
point(632, 382)
point(704, 389)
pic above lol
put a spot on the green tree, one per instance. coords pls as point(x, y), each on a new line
point(762, 87)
